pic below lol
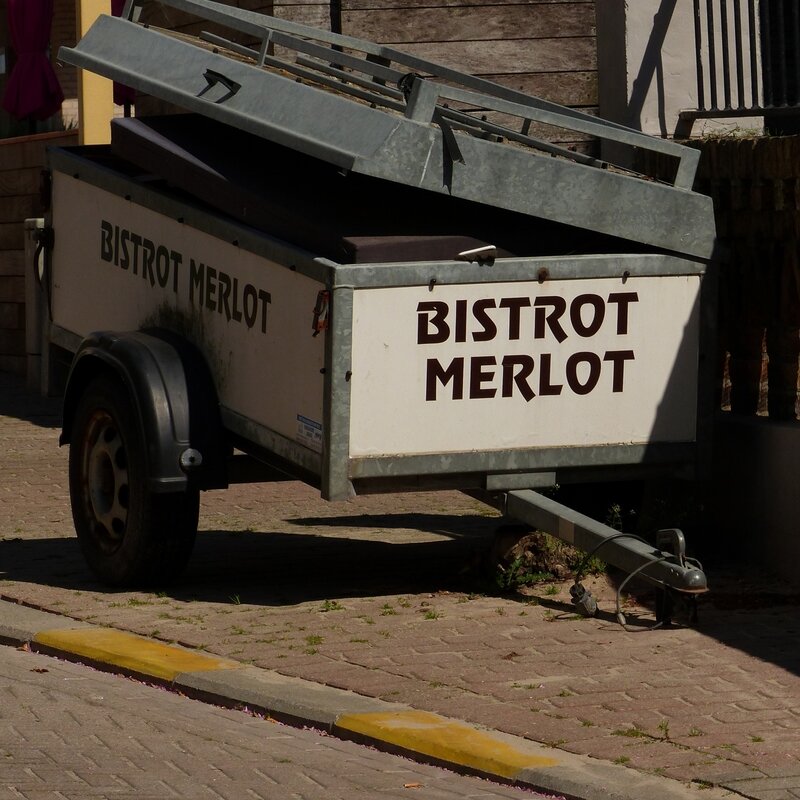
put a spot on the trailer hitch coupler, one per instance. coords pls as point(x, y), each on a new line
point(582, 599)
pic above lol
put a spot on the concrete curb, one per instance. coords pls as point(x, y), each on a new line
point(424, 735)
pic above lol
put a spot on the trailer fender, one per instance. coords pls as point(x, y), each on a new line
point(175, 399)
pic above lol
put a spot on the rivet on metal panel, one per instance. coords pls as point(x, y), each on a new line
point(625, 276)
point(542, 275)
point(431, 284)
point(348, 375)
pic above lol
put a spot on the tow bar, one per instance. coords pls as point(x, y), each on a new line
point(666, 566)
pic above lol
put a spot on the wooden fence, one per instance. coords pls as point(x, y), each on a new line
point(755, 184)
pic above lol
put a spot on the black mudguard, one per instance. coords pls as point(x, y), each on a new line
point(175, 398)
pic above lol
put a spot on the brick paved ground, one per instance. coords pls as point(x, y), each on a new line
point(381, 595)
point(73, 733)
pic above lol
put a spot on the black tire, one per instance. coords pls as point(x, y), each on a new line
point(129, 535)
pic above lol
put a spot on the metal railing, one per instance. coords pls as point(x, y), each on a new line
point(747, 55)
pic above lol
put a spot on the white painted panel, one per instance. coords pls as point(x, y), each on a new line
point(617, 366)
point(251, 317)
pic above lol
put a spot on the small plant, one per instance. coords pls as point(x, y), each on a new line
point(387, 610)
point(500, 611)
point(693, 731)
point(237, 630)
point(235, 599)
point(359, 641)
point(314, 640)
point(614, 516)
point(331, 605)
point(432, 614)
point(663, 726)
point(516, 575)
point(756, 738)
point(634, 732)
point(621, 760)
point(404, 602)
point(587, 724)
point(551, 590)
point(565, 693)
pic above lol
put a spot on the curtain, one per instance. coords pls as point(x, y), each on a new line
point(32, 91)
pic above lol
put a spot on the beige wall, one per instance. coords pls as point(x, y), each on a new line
point(647, 66)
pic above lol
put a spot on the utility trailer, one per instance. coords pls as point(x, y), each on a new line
point(354, 267)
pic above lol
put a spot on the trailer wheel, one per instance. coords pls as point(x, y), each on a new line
point(129, 534)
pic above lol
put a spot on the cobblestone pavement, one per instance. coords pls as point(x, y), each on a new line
point(380, 595)
point(69, 731)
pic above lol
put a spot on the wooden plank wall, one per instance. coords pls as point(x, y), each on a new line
point(546, 47)
point(543, 47)
point(21, 162)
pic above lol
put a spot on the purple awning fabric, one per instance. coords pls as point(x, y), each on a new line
point(32, 91)
point(122, 94)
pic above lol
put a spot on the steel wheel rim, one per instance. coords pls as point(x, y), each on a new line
point(105, 481)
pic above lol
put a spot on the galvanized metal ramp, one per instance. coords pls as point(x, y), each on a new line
point(377, 111)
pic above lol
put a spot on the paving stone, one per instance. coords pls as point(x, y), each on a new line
point(281, 565)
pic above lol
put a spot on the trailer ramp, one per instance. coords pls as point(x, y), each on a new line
point(377, 111)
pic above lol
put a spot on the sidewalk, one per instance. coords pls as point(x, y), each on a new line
point(377, 596)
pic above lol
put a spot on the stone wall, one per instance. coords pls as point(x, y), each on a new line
point(21, 162)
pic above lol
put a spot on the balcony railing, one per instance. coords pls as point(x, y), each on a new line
point(747, 54)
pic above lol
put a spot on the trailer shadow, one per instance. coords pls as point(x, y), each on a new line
point(286, 568)
point(17, 401)
point(275, 569)
point(271, 568)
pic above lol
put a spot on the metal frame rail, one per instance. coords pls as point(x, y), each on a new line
point(378, 112)
point(369, 72)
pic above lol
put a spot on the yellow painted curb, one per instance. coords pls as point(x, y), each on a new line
point(444, 739)
point(130, 652)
